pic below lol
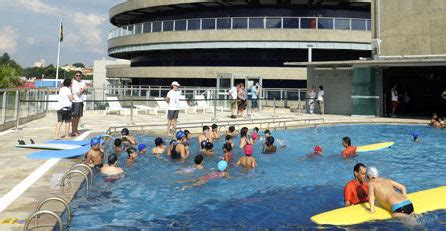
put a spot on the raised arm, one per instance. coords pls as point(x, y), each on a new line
point(399, 186)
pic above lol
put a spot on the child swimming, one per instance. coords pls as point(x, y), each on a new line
point(221, 173)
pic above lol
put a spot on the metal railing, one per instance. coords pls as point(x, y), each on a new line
point(42, 212)
point(69, 173)
point(243, 23)
point(84, 166)
point(62, 201)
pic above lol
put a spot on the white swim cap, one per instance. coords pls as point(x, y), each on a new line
point(372, 171)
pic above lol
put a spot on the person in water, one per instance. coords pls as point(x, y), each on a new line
point(198, 165)
point(228, 139)
point(433, 119)
point(221, 173)
point(356, 191)
point(117, 148)
point(255, 134)
point(206, 135)
point(93, 157)
point(142, 149)
point(318, 151)
point(416, 137)
point(383, 190)
point(231, 132)
point(228, 156)
point(268, 146)
point(112, 169)
point(132, 155)
point(127, 138)
point(214, 133)
point(349, 150)
point(177, 149)
point(244, 137)
point(247, 161)
point(207, 148)
point(160, 147)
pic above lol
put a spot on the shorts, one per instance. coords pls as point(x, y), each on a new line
point(254, 104)
point(394, 103)
point(233, 104)
point(241, 104)
point(64, 115)
point(405, 207)
point(172, 114)
point(77, 109)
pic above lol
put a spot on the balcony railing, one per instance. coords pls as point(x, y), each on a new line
point(243, 23)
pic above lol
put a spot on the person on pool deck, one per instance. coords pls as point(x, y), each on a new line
point(231, 131)
point(117, 148)
point(356, 191)
point(255, 134)
point(132, 155)
point(268, 146)
point(93, 157)
point(111, 169)
point(206, 135)
point(349, 150)
point(228, 156)
point(160, 147)
point(198, 165)
point(247, 161)
point(64, 104)
point(207, 148)
point(177, 150)
point(383, 190)
point(228, 139)
point(127, 138)
point(244, 137)
point(142, 149)
point(214, 133)
point(221, 173)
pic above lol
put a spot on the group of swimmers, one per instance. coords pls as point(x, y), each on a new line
point(437, 121)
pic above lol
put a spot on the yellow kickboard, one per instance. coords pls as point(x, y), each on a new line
point(423, 201)
point(373, 147)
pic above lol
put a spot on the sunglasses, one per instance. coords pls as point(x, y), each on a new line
point(78, 75)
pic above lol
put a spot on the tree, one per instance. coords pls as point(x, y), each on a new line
point(5, 60)
point(81, 65)
point(8, 77)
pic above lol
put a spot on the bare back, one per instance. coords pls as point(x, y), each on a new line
point(247, 162)
point(384, 191)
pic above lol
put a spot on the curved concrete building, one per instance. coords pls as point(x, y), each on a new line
point(192, 41)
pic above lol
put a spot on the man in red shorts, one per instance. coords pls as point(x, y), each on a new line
point(356, 191)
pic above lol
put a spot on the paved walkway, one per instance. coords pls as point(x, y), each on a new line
point(16, 166)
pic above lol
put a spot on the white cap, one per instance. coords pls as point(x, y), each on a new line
point(372, 172)
point(175, 83)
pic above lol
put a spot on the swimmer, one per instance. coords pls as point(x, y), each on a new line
point(160, 147)
point(433, 119)
point(229, 141)
point(117, 148)
point(356, 191)
point(231, 132)
point(255, 134)
point(207, 148)
point(188, 134)
point(206, 135)
point(177, 149)
point(142, 149)
point(247, 161)
point(438, 123)
point(318, 151)
point(349, 151)
point(221, 173)
point(132, 155)
point(266, 133)
point(112, 169)
point(416, 137)
point(268, 146)
point(228, 156)
point(198, 165)
point(127, 138)
point(244, 137)
point(383, 190)
point(214, 133)
point(93, 157)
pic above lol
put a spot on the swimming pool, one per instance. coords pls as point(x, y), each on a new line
point(284, 191)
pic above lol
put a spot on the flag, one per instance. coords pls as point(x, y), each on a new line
point(61, 32)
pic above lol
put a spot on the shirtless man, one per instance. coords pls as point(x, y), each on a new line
point(111, 169)
point(247, 161)
point(160, 147)
point(206, 135)
point(93, 157)
point(383, 190)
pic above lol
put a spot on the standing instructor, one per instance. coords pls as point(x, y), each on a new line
point(78, 89)
point(173, 109)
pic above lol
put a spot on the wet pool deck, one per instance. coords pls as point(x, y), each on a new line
point(16, 166)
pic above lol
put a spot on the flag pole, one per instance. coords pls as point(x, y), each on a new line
point(58, 53)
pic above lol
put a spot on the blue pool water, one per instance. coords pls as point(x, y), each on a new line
point(283, 192)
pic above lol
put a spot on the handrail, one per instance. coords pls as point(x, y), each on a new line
point(67, 207)
point(36, 214)
point(62, 182)
point(86, 167)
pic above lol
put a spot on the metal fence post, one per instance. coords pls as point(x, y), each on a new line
point(274, 107)
point(131, 112)
point(300, 104)
point(215, 105)
point(17, 106)
point(3, 118)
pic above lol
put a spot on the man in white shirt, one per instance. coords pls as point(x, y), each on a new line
point(312, 98)
point(64, 108)
point(320, 99)
point(173, 109)
point(78, 88)
point(233, 96)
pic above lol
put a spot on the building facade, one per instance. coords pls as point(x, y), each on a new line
point(194, 41)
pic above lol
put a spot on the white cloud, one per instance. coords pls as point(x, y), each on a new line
point(8, 39)
point(30, 40)
point(89, 31)
point(40, 7)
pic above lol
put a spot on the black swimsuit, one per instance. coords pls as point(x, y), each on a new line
point(173, 153)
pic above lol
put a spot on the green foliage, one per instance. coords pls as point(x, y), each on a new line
point(5, 60)
point(8, 77)
point(81, 65)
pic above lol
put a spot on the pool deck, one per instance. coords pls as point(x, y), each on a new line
point(16, 166)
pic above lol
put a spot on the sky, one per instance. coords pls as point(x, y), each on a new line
point(29, 30)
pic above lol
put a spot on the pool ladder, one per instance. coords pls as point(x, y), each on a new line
point(38, 212)
point(74, 171)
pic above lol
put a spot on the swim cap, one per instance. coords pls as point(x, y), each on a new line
point(227, 146)
point(180, 134)
point(317, 148)
point(270, 139)
point(209, 146)
point(254, 135)
point(222, 165)
point(267, 131)
point(125, 131)
point(415, 135)
point(159, 141)
point(95, 141)
point(214, 126)
point(141, 147)
point(248, 150)
point(203, 143)
point(372, 171)
point(131, 150)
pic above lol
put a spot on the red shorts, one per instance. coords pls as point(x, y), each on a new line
point(394, 103)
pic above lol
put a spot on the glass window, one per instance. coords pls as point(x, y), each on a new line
point(156, 27)
point(358, 24)
point(223, 23)
point(193, 24)
point(180, 25)
point(291, 23)
point(369, 25)
point(255, 23)
point(325, 23)
point(138, 28)
point(208, 24)
point(308, 23)
point(273, 23)
point(342, 24)
point(168, 26)
point(239, 23)
point(147, 27)
point(129, 30)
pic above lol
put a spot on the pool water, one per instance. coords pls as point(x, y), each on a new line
point(284, 191)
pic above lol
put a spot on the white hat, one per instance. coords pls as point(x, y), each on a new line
point(372, 172)
point(175, 83)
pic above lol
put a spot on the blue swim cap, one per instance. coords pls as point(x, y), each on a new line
point(141, 147)
point(180, 134)
point(222, 165)
point(415, 135)
point(95, 141)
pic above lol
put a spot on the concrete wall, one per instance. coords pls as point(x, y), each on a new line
point(337, 86)
point(413, 27)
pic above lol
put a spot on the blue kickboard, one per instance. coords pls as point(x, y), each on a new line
point(72, 142)
point(69, 153)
